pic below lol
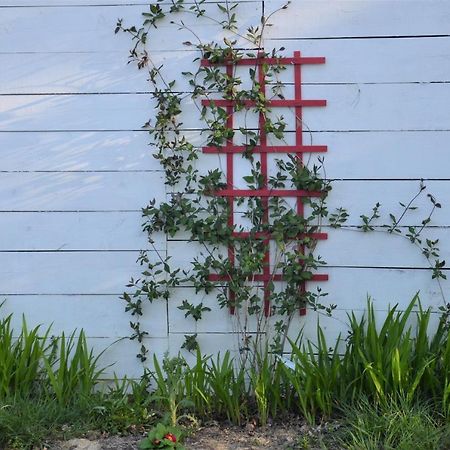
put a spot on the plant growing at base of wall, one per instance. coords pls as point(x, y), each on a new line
point(195, 209)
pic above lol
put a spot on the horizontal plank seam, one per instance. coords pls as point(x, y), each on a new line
point(108, 5)
point(151, 171)
point(146, 130)
point(388, 36)
point(86, 52)
point(76, 211)
point(86, 171)
point(340, 83)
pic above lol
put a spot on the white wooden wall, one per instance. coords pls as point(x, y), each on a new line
point(75, 168)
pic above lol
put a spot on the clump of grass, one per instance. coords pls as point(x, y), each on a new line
point(50, 388)
point(72, 370)
point(21, 358)
point(316, 375)
point(31, 363)
point(229, 396)
point(27, 422)
point(392, 358)
point(401, 357)
point(394, 424)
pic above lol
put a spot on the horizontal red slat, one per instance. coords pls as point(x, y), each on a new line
point(262, 277)
point(245, 234)
point(273, 103)
point(267, 193)
point(270, 61)
point(268, 149)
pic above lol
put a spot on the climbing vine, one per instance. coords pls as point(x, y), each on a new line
point(262, 316)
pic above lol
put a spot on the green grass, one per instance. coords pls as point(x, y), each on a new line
point(391, 380)
point(33, 421)
point(395, 425)
point(50, 388)
point(27, 422)
point(21, 358)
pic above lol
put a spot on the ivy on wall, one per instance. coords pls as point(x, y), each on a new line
point(260, 279)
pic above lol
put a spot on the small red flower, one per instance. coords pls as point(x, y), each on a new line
point(170, 437)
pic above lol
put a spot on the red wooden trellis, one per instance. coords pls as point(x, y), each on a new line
point(263, 149)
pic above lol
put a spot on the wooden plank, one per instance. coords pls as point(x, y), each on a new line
point(91, 29)
point(220, 321)
point(359, 197)
point(79, 191)
point(77, 151)
point(55, 3)
point(380, 155)
point(374, 155)
point(67, 272)
point(69, 313)
point(352, 247)
point(343, 248)
point(132, 191)
point(62, 231)
point(348, 61)
point(349, 107)
point(347, 288)
point(79, 30)
point(90, 72)
point(88, 112)
point(367, 107)
point(69, 73)
point(377, 107)
point(115, 151)
point(119, 356)
point(107, 273)
point(377, 60)
point(360, 18)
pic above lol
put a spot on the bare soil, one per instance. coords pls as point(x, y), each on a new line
point(292, 435)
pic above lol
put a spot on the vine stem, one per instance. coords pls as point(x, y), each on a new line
point(441, 289)
point(406, 208)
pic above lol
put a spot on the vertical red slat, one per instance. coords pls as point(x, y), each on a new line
point(299, 143)
point(265, 175)
point(230, 185)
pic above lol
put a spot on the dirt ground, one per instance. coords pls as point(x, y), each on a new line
point(292, 435)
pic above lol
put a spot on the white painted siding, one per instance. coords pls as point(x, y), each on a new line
point(75, 167)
